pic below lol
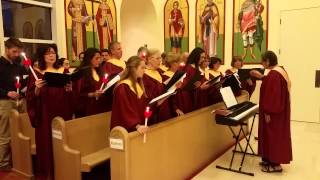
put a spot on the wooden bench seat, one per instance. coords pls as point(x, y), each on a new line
point(80, 145)
point(94, 159)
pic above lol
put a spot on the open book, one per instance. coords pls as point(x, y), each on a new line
point(113, 81)
point(174, 80)
point(162, 96)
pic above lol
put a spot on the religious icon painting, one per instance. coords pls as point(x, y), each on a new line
point(89, 23)
point(250, 29)
point(210, 27)
point(176, 26)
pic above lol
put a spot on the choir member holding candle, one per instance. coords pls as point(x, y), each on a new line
point(130, 100)
point(10, 72)
point(153, 83)
point(45, 102)
point(88, 89)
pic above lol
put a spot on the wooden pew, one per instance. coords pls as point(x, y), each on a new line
point(175, 149)
point(80, 144)
point(22, 143)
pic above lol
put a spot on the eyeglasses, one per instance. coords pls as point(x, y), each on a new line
point(49, 53)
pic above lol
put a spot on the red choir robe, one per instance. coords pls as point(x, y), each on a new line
point(201, 95)
point(128, 106)
point(51, 102)
point(154, 87)
point(274, 137)
point(86, 106)
point(214, 95)
point(185, 97)
point(112, 67)
point(173, 99)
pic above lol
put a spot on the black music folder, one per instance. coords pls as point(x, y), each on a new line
point(190, 85)
point(56, 79)
point(60, 80)
point(245, 73)
point(214, 81)
point(176, 78)
point(232, 81)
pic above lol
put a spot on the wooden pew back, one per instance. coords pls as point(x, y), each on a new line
point(78, 138)
point(22, 143)
point(175, 149)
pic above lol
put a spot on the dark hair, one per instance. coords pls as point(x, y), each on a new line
point(42, 50)
point(213, 61)
point(105, 50)
point(194, 57)
point(235, 59)
point(270, 57)
point(85, 65)
point(13, 42)
point(61, 60)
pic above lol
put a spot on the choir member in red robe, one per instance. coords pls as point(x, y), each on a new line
point(43, 104)
point(248, 85)
point(129, 100)
point(173, 62)
point(214, 94)
point(201, 95)
point(115, 65)
point(185, 97)
point(112, 67)
point(274, 115)
point(90, 99)
point(153, 82)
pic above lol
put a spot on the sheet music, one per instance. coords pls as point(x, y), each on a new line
point(173, 87)
point(228, 96)
point(168, 93)
point(112, 82)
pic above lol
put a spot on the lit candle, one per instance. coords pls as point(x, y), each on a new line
point(104, 81)
point(27, 62)
point(182, 64)
point(18, 84)
point(147, 114)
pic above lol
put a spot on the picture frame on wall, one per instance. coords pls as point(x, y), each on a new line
point(210, 27)
point(250, 29)
point(89, 23)
point(176, 26)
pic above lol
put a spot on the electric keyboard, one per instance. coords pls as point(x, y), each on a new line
point(239, 112)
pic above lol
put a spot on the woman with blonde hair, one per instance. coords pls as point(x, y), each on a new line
point(130, 100)
point(153, 82)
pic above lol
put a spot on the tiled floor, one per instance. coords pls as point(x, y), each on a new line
point(305, 164)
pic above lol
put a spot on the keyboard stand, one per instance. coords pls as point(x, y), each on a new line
point(243, 152)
